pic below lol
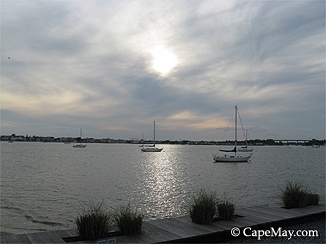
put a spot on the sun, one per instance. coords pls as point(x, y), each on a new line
point(164, 60)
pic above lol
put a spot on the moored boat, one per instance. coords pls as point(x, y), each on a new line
point(233, 155)
point(80, 145)
point(151, 148)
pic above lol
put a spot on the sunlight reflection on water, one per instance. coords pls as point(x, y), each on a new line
point(44, 184)
point(163, 179)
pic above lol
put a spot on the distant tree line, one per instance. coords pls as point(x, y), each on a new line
point(256, 142)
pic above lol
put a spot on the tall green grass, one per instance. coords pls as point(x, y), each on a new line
point(128, 220)
point(225, 210)
point(93, 222)
point(203, 207)
point(296, 195)
point(313, 199)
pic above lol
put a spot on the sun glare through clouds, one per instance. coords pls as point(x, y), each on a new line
point(164, 60)
point(112, 67)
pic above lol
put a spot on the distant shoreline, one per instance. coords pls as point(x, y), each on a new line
point(255, 142)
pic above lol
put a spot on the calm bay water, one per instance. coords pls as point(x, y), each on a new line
point(43, 185)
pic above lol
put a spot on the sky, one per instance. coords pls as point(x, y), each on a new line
point(112, 67)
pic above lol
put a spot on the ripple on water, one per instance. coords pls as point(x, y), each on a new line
point(50, 182)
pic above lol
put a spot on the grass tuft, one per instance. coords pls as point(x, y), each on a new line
point(203, 207)
point(313, 199)
point(93, 223)
point(225, 210)
point(128, 220)
point(296, 195)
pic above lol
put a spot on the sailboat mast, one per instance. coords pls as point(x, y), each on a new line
point(154, 132)
point(81, 133)
point(235, 129)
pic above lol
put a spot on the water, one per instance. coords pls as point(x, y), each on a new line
point(44, 185)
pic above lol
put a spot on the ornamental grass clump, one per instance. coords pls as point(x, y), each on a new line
point(128, 220)
point(93, 223)
point(203, 207)
point(313, 199)
point(295, 195)
point(225, 210)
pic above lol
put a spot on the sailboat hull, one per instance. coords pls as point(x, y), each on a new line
point(79, 146)
point(152, 149)
point(245, 149)
point(231, 158)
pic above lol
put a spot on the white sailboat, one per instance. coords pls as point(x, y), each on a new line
point(246, 148)
point(233, 155)
point(151, 148)
point(142, 140)
point(80, 145)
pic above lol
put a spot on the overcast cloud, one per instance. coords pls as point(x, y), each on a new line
point(113, 67)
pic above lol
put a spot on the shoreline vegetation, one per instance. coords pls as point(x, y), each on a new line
point(94, 222)
point(297, 195)
point(206, 207)
point(255, 142)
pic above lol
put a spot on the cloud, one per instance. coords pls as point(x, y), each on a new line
point(91, 65)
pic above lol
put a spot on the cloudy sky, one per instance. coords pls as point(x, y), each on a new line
point(113, 67)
